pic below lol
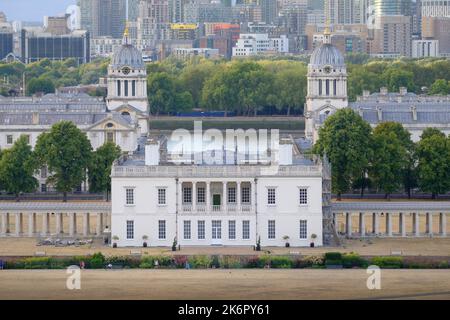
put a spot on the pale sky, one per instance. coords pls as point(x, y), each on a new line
point(33, 10)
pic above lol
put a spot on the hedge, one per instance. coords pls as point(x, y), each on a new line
point(347, 260)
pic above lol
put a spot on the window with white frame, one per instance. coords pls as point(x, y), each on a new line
point(303, 195)
point(271, 196)
point(129, 196)
point(187, 195)
point(130, 229)
point(187, 229)
point(246, 229)
point(232, 229)
point(162, 229)
point(161, 196)
point(9, 139)
point(201, 229)
point(231, 195)
point(201, 195)
point(245, 195)
point(271, 229)
point(303, 229)
point(216, 229)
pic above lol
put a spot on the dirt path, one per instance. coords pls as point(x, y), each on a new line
point(225, 284)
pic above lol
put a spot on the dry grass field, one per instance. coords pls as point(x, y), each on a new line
point(225, 284)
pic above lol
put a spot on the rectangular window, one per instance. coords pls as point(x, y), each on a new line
point(187, 195)
point(125, 83)
point(43, 187)
point(232, 229)
point(303, 229)
point(130, 229)
point(27, 138)
point(232, 195)
point(129, 196)
point(44, 172)
point(246, 229)
point(110, 136)
point(246, 195)
point(201, 229)
point(161, 196)
point(303, 195)
point(119, 88)
point(9, 139)
point(271, 196)
point(133, 88)
point(187, 229)
point(161, 229)
point(271, 229)
point(201, 195)
point(216, 229)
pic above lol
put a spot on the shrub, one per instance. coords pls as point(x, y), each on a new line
point(312, 261)
point(147, 263)
point(443, 265)
point(215, 263)
point(179, 261)
point(335, 256)
point(351, 260)
point(230, 262)
point(37, 263)
point(388, 262)
point(201, 261)
point(252, 262)
point(97, 261)
point(281, 262)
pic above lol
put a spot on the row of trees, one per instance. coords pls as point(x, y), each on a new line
point(384, 158)
point(68, 155)
point(244, 86)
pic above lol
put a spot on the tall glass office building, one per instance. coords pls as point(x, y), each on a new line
point(392, 7)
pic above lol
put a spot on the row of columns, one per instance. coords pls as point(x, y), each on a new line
point(224, 200)
point(45, 230)
point(402, 224)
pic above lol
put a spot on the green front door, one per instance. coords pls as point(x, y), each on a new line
point(216, 200)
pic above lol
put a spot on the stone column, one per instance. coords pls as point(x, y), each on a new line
point(4, 224)
point(59, 223)
point(224, 196)
point(194, 196)
point(388, 224)
point(86, 224)
point(348, 224)
point(401, 224)
point(99, 226)
point(180, 196)
point(18, 224)
point(208, 196)
point(362, 224)
point(429, 223)
point(31, 224)
point(45, 224)
point(442, 224)
point(253, 195)
point(375, 223)
point(415, 224)
point(72, 224)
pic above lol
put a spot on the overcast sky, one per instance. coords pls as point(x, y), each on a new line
point(33, 10)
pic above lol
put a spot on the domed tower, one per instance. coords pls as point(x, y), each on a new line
point(127, 79)
point(327, 85)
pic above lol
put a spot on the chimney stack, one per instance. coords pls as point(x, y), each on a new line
point(152, 156)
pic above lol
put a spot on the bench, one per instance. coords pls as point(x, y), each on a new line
point(40, 254)
point(136, 253)
point(396, 253)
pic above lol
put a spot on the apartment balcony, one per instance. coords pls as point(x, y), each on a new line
point(217, 209)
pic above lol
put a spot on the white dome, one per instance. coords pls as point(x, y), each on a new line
point(127, 55)
point(327, 54)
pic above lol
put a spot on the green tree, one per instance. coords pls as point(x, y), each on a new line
point(346, 140)
point(433, 169)
point(66, 151)
point(99, 169)
point(161, 92)
point(17, 167)
point(391, 147)
point(440, 86)
point(290, 86)
point(43, 85)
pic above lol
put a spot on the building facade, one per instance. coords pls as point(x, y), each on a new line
point(201, 204)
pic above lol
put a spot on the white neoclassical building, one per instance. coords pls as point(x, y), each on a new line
point(327, 86)
point(234, 203)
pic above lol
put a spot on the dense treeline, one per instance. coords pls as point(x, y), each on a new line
point(245, 87)
point(383, 159)
point(67, 153)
